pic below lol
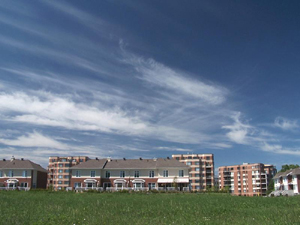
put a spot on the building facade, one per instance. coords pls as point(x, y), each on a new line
point(246, 179)
point(59, 170)
point(201, 173)
point(21, 174)
point(131, 174)
point(288, 181)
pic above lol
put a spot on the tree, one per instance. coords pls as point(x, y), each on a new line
point(288, 167)
point(270, 186)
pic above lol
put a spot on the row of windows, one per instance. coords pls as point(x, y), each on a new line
point(136, 173)
point(11, 173)
point(61, 182)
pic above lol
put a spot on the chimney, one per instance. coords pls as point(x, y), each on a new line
point(168, 157)
point(141, 158)
point(22, 159)
point(96, 158)
point(4, 159)
point(12, 158)
point(108, 159)
point(124, 158)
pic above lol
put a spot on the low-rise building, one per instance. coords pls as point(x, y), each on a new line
point(201, 173)
point(246, 179)
point(22, 174)
point(288, 181)
point(136, 174)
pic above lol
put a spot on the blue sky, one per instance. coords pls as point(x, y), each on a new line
point(150, 79)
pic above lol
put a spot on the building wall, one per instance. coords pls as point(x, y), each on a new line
point(61, 166)
point(245, 179)
point(201, 172)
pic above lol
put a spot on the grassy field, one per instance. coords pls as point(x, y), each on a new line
point(123, 208)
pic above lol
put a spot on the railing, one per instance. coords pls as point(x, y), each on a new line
point(88, 188)
point(14, 188)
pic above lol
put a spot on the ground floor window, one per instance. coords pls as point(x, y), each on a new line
point(151, 186)
point(24, 185)
point(106, 185)
point(77, 184)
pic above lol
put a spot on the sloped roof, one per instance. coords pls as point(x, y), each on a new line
point(143, 163)
point(21, 164)
point(91, 164)
point(131, 164)
point(284, 174)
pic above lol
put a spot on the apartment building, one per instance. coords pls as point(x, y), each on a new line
point(246, 179)
point(288, 181)
point(21, 174)
point(201, 173)
point(59, 170)
point(136, 174)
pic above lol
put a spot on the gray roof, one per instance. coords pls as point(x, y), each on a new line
point(21, 164)
point(143, 163)
point(284, 174)
point(91, 164)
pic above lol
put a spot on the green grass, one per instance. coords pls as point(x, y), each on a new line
point(123, 208)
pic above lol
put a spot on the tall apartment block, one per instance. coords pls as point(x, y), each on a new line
point(246, 179)
point(59, 172)
point(201, 172)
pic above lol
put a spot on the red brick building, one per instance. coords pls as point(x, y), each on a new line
point(136, 174)
point(22, 174)
point(246, 179)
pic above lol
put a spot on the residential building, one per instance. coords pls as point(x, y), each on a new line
point(22, 174)
point(59, 170)
point(288, 180)
point(136, 174)
point(201, 173)
point(246, 179)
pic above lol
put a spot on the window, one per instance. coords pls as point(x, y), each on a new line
point(197, 169)
point(122, 173)
point(137, 173)
point(60, 165)
point(64, 160)
point(1, 174)
point(166, 173)
point(24, 173)
point(188, 163)
point(53, 160)
point(60, 176)
point(197, 175)
point(66, 182)
point(151, 173)
point(59, 182)
point(177, 158)
point(207, 158)
point(77, 173)
point(60, 171)
point(181, 173)
point(197, 181)
point(77, 184)
point(151, 186)
point(24, 185)
point(197, 163)
point(66, 176)
point(107, 174)
point(93, 173)
point(67, 171)
point(11, 173)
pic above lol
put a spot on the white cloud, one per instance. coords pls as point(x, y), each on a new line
point(176, 81)
point(285, 124)
point(278, 149)
point(238, 131)
point(34, 139)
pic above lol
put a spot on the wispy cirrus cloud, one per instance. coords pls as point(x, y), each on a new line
point(286, 124)
point(179, 82)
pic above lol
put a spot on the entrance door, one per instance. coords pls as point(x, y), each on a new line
point(106, 185)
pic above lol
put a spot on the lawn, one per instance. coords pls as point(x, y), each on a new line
point(43, 207)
